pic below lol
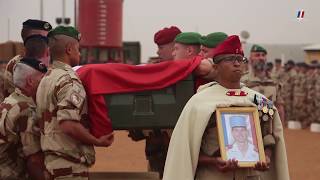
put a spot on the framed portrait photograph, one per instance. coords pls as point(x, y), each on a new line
point(239, 135)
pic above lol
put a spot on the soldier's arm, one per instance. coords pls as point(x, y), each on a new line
point(70, 97)
point(204, 69)
point(8, 86)
point(77, 131)
point(280, 103)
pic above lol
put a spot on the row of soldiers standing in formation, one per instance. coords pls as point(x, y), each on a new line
point(296, 86)
point(300, 87)
point(43, 119)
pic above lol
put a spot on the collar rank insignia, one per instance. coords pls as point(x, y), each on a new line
point(236, 93)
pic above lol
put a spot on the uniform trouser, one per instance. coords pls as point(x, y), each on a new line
point(317, 109)
point(299, 109)
point(311, 111)
point(156, 152)
point(62, 169)
point(288, 110)
point(156, 162)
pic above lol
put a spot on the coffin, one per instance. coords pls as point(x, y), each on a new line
point(149, 109)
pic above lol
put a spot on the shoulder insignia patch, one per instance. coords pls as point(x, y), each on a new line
point(75, 99)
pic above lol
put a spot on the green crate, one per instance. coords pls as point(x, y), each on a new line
point(149, 109)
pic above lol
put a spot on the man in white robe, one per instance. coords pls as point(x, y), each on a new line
point(194, 148)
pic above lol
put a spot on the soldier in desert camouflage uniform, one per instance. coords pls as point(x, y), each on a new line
point(311, 86)
point(317, 95)
point(30, 27)
point(157, 140)
point(259, 80)
point(277, 71)
point(299, 94)
point(19, 135)
point(288, 80)
point(62, 111)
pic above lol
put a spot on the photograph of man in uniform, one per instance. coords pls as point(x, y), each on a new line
point(241, 147)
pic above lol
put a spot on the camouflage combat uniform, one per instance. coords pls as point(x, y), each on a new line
point(312, 99)
point(265, 86)
point(288, 80)
point(276, 74)
point(61, 96)
point(299, 98)
point(157, 142)
point(8, 75)
point(310, 106)
point(19, 136)
point(317, 97)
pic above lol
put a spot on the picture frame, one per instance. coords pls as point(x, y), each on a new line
point(239, 134)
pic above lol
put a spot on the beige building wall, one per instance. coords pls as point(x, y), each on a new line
point(312, 55)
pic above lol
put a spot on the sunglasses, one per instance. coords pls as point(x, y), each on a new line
point(231, 59)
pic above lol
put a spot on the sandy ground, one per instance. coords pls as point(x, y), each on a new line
point(303, 148)
point(123, 155)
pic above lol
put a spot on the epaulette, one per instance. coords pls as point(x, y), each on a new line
point(213, 83)
point(205, 86)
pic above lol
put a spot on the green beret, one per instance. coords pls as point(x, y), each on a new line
point(213, 39)
point(188, 38)
point(258, 48)
point(67, 31)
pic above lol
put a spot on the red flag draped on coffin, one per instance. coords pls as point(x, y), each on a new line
point(102, 79)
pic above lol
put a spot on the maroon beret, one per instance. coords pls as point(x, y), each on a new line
point(231, 45)
point(166, 35)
